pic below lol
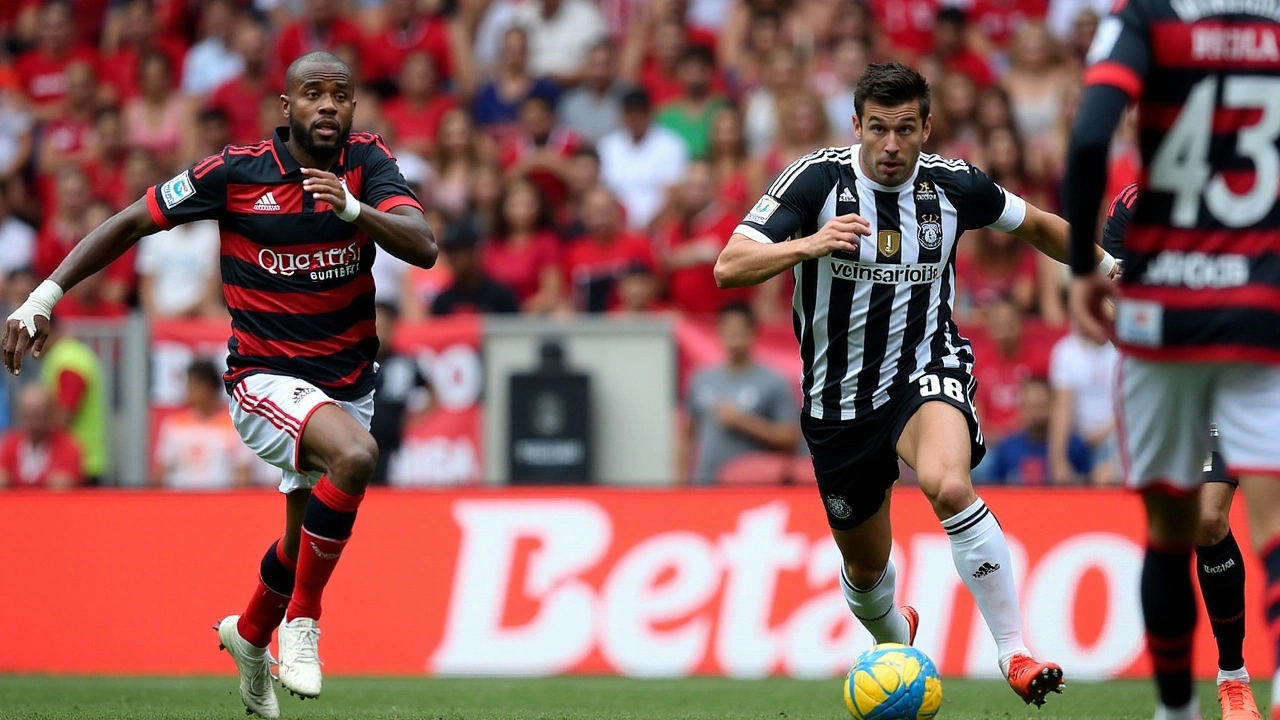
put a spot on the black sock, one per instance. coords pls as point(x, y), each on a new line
point(1220, 569)
point(1169, 611)
point(1271, 561)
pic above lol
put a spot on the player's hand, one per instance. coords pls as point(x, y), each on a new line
point(325, 187)
point(18, 340)
point(841, 233)
point(729, 415)
point(1090, 296)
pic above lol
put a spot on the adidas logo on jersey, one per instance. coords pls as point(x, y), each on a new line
point(986, 569)
point(846, 196)
point(267, 203)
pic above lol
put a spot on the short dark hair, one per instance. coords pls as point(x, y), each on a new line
point(699, 54)
point(636, 99)
point(317, 57)
point(891, 84)
point(740, 308)
point(204, 371)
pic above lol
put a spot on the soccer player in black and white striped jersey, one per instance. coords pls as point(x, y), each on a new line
point(870, 233)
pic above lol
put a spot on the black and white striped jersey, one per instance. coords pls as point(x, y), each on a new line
point(869, 322)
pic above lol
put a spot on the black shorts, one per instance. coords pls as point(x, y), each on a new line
point(855, 461)
point(1215, 468)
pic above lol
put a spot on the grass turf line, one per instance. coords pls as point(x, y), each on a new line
point(567, 698)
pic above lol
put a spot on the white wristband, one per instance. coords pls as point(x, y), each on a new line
point(352, 210)
point(1108, 264)
point(39, 302)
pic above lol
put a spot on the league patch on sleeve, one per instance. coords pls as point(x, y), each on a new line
point(763, 210)
point(178, 189)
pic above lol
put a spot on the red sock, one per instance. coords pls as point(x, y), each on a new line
point(326, 527)
point(268, 602)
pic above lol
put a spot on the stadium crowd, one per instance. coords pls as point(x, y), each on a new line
point(574, 156)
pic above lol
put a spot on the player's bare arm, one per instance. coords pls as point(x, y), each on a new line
point(28, 327)
point(745, 262)
point(1051, 235)
point(402, 230)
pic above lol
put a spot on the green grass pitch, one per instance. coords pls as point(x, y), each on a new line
point(59, 698)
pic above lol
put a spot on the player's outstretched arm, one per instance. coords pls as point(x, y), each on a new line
point(28, 326)
point(745, 262)
point(401, 230)
point(1051, 235)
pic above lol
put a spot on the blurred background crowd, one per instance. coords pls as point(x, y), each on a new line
point(574, 156)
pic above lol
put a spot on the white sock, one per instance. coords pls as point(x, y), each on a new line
point(982, 558)
point(1241, 675)
point(875, 609)
point(1186, 712)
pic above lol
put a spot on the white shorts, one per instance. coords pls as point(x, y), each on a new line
point(1164, 411)
point(271, 412)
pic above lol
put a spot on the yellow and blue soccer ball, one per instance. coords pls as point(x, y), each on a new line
point(893, 682)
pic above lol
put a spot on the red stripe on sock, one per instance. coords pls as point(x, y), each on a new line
point(1171, 665)
point(1173, 644)
point(284, 558)
point(329, 494)
point(1171, 548)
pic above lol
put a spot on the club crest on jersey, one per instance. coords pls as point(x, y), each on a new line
point(763, 210)
point(178, 189)
point(930, 232)
point(888, 242)
point(925, 191)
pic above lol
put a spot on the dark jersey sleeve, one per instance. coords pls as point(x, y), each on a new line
point(793, 201)
point(197, 193)
point(384, 185)
point(1118, 216)
point(1120, 55)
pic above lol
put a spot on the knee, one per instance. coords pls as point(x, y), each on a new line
point(353, 465)
point(949, 491)
point(1213, 527)
point(863, 575)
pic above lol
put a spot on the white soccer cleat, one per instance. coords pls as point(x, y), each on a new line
point(254, 664)
point(299, 640)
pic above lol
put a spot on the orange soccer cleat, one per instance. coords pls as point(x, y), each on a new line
point(1236, 699)
point(913, 622)
point(1033, 680)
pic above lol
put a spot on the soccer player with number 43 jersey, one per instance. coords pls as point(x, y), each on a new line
point(870, 234)
point(1197, 321)
point(299, 215)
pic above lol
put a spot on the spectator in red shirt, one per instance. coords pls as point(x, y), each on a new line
point(999, 20)
point(43, 69)
point(1006, 364)
point(141, 32)
point(66, 140)
point(593, 264)
point(949, 44)
point(408, 31)
point(690, 244)
point(731, 168)
point(524, 252)
point(907, 25)
point(992, 265)
point(107, 158)
point(240, 99)
point(414, 115)
point(156, 118)
point(657, 72)
point(63, 229)
point(321, 27)
point(470, 290)
point(38, 454)
point(541, 149)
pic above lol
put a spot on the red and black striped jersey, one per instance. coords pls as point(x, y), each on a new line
point(1202, 251)
point(297, 279)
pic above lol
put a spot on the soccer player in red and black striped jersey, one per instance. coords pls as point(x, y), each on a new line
point(1198, 314)
point(300, 216)
point(1219, 563)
